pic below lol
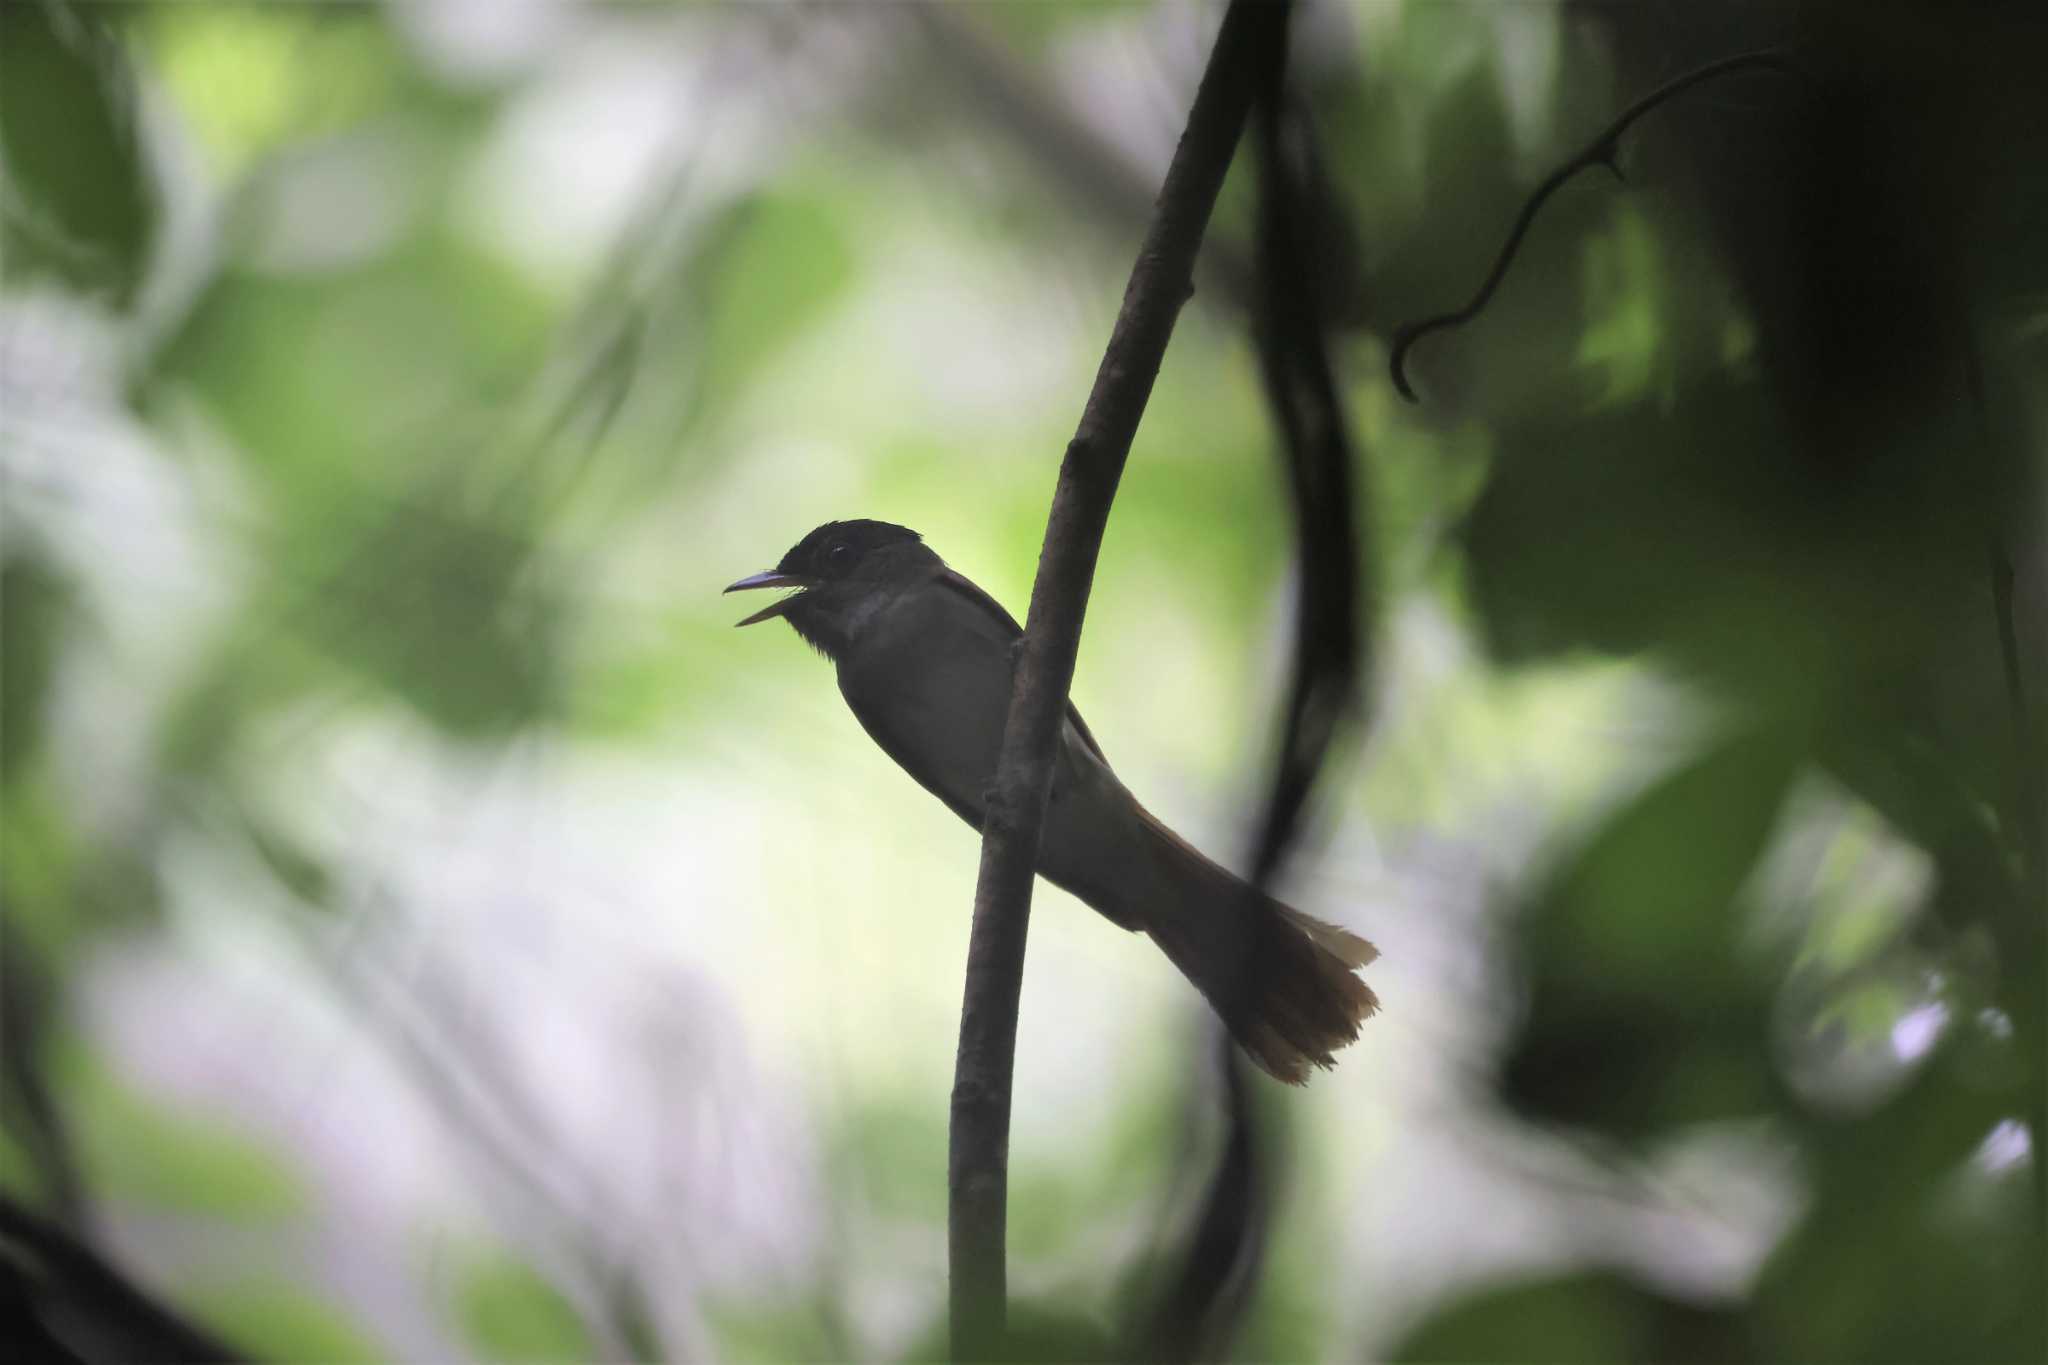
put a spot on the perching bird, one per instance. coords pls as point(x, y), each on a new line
point(925, 660)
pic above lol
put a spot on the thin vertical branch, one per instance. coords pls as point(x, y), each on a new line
point(1161, 281)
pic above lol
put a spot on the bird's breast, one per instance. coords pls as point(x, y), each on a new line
point(931, 685)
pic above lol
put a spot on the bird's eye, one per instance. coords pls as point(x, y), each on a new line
point(839, 556)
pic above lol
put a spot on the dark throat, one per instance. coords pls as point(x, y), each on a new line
point(818, 629)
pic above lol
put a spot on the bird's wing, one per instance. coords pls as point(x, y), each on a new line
point(954, 582)
point(966, 804)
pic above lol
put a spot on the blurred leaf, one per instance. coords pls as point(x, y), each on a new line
point(332, 383)
point(77, 200)
point(1291, 1316)
point(1440, 47)
point(893, 1150)
point(281, 1321)
point(236, 72)
point(1911, 1251)
point(363, 399)
point(36, 848)
point(1035, 28)
point(252, 671)
point(1641, 1013)
point(1367, 121)
point(777, 1328)
point(136, 1149)
point(510, 1313)
point(1468, 193)
point(1651, 895)
point(1652, 542)
point(1580, 1320)
point(1624, 327)
point(1701, 533)
point(33, 607)
point(1517, 355)
point(1048, 1213)
point(20, 1175)
point(298, 871)
point(660, 679)
point(449, 613)
point(770, 270)
point(61, 889)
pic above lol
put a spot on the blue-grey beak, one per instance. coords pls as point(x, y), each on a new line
point(771, 579)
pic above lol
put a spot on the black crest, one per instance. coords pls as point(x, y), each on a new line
point(833, 549)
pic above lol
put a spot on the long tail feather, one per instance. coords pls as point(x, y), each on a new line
point(1282, 981)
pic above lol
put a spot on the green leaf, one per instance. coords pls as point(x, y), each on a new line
point(771, 270)
point(41, 854)
point(296, 869)
point(777, 1328)
point(892, 1148)
point(511, 1314)
point(276, 1320)
point(1719, 535)
point(20, 1178)
point(1909, 1251)
point(332, 384)
point(1642, 1014)
point(33, 607)
point(1645, 908)
point(366, 402)
point(139, 1150)
point(1584, 1320)
point(77, 199)
point(234, 73)
point(445, 613)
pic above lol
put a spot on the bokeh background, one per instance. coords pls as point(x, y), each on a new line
point(431, 932)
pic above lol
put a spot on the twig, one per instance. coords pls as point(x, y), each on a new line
point(1603, 150)
point(1161, 281)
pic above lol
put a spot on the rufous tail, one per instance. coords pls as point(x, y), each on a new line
point(1284, 983)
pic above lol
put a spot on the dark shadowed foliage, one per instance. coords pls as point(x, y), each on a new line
point(429, 931)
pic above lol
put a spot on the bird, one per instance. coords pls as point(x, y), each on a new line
point(925, 661)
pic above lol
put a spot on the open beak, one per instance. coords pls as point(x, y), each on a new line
point(771, 579)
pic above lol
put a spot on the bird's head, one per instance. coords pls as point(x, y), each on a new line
point(841, 572)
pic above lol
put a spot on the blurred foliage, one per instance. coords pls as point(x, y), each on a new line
point(1587, 1318)
point(510, 1313)
point(1631, 1027)
point(279, 1320)
point(131, 1148)
point(79, 202)
point(371, 387)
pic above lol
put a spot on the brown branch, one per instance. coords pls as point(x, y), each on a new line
point(1161, 281)
point(1604, 150)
